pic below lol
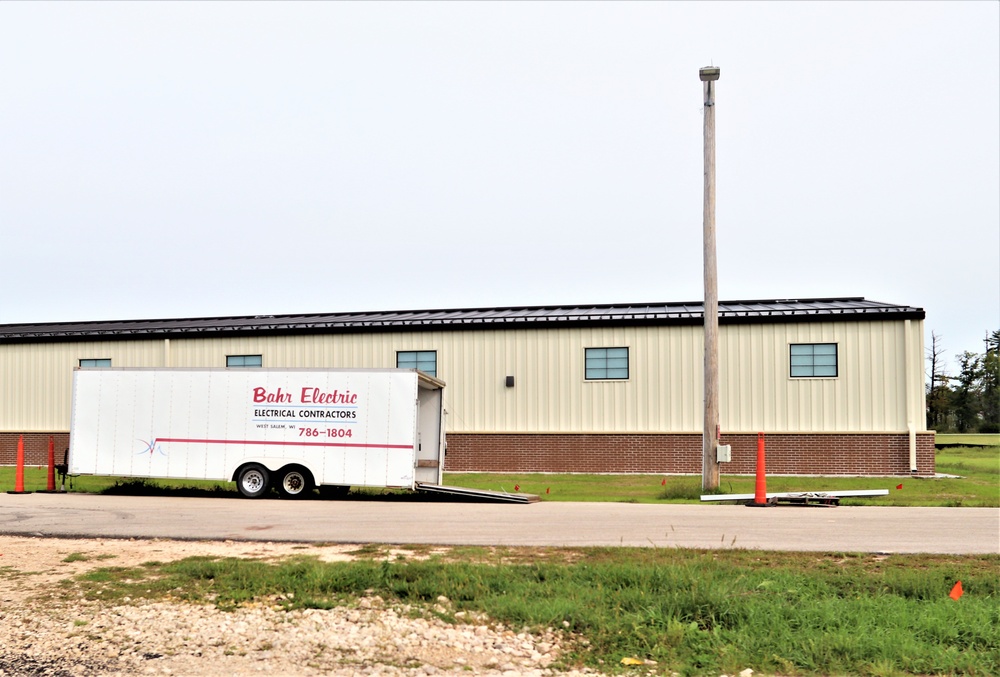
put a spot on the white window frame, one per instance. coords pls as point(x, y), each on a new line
point(416, 361)
point(807, 360)
point(95, 363)
point(591, 361)
point(232, 359)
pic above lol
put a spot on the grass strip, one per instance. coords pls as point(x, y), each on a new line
point(693, 612)
point(965, 439)
point(975, 483)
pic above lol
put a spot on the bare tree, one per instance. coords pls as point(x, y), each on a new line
point(991, 384)
point(938, 390)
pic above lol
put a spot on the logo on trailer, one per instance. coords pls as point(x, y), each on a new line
point(151, 448)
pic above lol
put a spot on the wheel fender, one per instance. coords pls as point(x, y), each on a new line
point(266, 462)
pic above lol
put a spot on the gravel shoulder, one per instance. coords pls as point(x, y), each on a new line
point(42, 633)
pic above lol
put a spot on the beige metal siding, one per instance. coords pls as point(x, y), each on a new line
point(36, 378)
point(872, 391)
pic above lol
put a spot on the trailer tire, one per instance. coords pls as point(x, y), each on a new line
point(295, 482)
point(252, 480)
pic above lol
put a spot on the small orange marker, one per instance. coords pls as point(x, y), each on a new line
point(546, 490)
point(956, 591)
point(664, 482)
point(517, 487)
point(899, 486)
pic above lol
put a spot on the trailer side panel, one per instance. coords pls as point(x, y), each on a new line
point(346, 427)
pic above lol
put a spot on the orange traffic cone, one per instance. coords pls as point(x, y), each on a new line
point(19, 472)
point(50, 486)
point(760, 488)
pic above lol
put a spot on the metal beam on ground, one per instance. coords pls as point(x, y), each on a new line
point(859, 493)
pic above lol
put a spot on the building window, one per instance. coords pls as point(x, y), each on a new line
point(424, 360)
point(244, 361)
point(606, 363)
point(103, 363)
point(811, 360)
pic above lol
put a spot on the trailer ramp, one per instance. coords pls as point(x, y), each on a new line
point(477, 494)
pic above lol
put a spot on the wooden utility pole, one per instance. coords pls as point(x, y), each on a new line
point(710, 434)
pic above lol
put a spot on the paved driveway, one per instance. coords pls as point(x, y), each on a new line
point(839, 529)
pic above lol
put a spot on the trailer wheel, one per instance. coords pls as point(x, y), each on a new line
point(295, 483)
point(252, 480)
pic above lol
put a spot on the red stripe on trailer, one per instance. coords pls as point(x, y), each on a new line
point(282, 444)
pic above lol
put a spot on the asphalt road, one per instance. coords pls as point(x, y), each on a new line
point(837, 529)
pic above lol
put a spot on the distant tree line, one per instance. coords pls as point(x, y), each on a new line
point(969, 401)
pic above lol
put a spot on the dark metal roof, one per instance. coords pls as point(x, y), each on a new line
point(637, 314)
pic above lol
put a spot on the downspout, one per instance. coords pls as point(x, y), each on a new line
point(909, 398)
point(166, 352)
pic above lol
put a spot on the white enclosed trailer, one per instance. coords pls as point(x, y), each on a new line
point(291, 429)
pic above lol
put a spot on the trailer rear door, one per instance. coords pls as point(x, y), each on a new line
point(429, 460)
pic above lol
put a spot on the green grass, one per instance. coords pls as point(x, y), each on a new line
point(977, 486)
point(693, 612)
point(972, 461)
point(966, 440)
point(75, 557)
point(36, 479)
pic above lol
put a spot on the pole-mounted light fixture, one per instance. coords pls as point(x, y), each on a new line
point(709, 73)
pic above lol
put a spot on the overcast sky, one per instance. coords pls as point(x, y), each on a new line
point(211, 159)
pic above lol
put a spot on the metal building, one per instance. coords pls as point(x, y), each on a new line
point(837, 385)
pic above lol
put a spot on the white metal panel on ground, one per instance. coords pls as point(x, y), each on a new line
point(846, 493)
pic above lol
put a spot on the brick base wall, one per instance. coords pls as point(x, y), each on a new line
point(786, 454)
point(36, 447)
